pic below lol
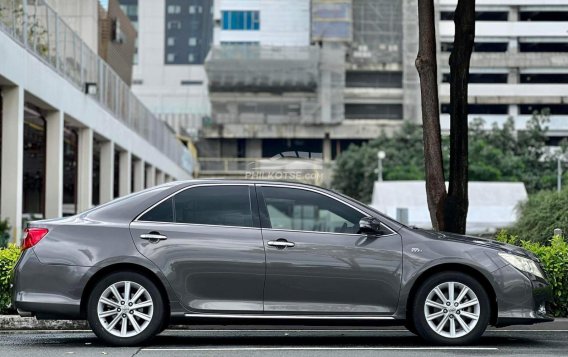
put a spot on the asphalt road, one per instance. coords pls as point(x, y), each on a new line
point(264, 341)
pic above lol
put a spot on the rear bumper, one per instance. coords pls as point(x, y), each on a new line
point(522, 299)
point(47, 291)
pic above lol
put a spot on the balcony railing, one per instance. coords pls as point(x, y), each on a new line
point(38, 28)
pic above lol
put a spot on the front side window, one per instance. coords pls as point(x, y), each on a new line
point(303, 210)
point(212, 205)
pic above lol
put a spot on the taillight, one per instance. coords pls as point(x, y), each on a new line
point(32, 236)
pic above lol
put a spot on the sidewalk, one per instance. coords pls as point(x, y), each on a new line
point(14, 322)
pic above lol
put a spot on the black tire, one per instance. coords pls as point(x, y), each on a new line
point(155, 325)
point(423, 328)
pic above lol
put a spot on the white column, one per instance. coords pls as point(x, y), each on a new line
point(12, 159)
point(85, 170)
point(124, 173)
point(326, 148)
point(150, 176)
point(106, 183)
point(54, 167)
point(138, 175)
point(160, 177)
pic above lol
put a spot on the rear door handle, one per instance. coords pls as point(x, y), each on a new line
point(153, 236)
point(280, 243)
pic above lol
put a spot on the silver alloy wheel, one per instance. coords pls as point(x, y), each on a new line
point(125, 309)
point(452, 309)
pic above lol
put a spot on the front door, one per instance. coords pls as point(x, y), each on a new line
point(207, 242)
point(317, 263)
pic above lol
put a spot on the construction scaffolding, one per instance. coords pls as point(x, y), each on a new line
point(254, 84)
point(377, 32)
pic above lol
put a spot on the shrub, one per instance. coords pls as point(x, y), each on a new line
point(541, 214)
point(8, 258)
point(554, 259)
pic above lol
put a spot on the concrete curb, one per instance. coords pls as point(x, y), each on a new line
point(15, 322)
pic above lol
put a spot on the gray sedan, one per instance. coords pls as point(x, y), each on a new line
point(220, 251)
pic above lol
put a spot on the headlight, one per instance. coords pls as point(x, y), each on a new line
point(523, 264)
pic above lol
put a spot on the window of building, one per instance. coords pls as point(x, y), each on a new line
point(137, 82)
point(191, 83)
point(174, 9)
point(240, 20)
point(171, 57)
point(171, 41)
point(373, 111)
point(192, 9)
point(200, 205)
point(498, 109)
point(479, 16)
point(190, 58)
point(240, 43)
point(373, 79)
point(544, 77)
point(174, 25)
point(302, 210)
point(479, 47)
point(481, 78)
point(555, 109)
point(543, 47)
point(192, 41)
point(544, 15)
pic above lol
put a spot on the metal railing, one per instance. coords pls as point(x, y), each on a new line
point(313, 171)
point(38, 28)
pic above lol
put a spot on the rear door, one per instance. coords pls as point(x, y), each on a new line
point(207, 241)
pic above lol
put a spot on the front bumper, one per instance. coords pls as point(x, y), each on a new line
point(521, 298)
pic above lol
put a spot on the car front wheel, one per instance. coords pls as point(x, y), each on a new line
point(125, 309)
point(451, 308)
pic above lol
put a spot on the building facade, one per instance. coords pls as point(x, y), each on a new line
point(73, 134)
point(174, 37)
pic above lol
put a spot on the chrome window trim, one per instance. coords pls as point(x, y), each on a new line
point(330, 196)
point(292, 317)
point(193, 224)
point(137, 219)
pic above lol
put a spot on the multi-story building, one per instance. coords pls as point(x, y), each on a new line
point(301, 76)
point(72, 133)
point(519, 64)
point(174, 37)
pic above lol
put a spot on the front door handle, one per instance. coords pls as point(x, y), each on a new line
point(281, 243)
point(153, 236)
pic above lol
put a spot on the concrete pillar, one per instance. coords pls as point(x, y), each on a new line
point(326, 148)
point(513, 76)
point(12, 159)
point(160, 177)
point(106, 176)
point(124, 173)
point(54, 167)
point(253, 148)
point(150, 176)
point(138, 175)
point(85, 170)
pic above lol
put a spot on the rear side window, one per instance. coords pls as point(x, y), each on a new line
point(164, 212)
point(214, 205)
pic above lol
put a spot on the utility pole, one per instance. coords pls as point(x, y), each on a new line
point(380, 155)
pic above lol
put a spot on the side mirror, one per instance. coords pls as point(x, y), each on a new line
point(369, 225)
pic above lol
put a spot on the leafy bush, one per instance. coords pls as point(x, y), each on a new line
point(8, 258)
point(541, 214)
point(554, 259)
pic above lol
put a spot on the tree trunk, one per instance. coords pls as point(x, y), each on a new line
point(426, 64)
point(457, 201)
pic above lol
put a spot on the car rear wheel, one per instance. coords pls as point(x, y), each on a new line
point(451, 308)
point(125, 309)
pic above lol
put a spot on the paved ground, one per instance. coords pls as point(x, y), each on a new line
point(263, 341)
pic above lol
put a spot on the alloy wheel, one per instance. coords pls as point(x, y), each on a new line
point(125, 309)
point(452, 309)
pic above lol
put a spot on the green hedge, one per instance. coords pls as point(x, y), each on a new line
point(8, 258)
point(554, 258)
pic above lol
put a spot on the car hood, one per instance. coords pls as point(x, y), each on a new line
point(489, 243)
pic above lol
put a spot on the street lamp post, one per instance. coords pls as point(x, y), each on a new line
point(380, 155)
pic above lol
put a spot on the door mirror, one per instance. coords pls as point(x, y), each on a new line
point(369, 225)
